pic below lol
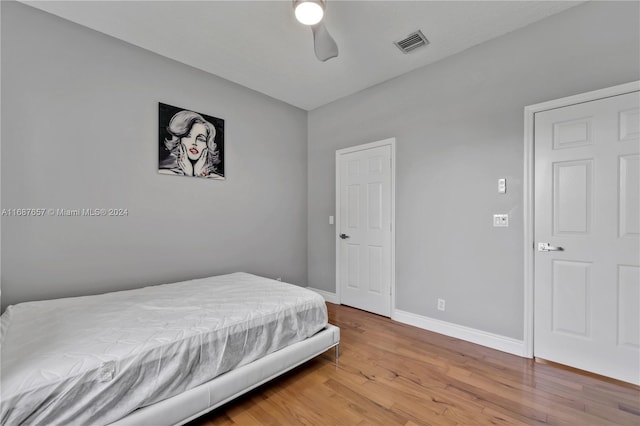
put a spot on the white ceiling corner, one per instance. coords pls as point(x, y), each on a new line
point(260, 45)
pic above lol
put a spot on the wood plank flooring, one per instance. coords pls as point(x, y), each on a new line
point(394, 374)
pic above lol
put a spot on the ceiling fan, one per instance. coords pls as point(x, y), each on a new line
point(311, 13)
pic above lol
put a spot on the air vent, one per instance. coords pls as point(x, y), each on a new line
point(412, 41)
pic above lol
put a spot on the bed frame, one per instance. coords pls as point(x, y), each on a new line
point(197, 401)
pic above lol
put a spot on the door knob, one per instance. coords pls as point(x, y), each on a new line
point(548, 247)
point(344, 236)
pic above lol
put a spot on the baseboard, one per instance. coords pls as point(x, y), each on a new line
point(328, 296)
point(490, 340)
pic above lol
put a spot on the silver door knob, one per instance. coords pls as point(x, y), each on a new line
point(344, 236)
point(548, 247)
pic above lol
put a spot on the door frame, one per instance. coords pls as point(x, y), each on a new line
point(529, 192)
point(392, 143)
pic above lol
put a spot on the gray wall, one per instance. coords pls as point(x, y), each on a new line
point(79, 115)
point(459, 127)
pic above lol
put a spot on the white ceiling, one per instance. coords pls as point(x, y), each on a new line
point(260, 45)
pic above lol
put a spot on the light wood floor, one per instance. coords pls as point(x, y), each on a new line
point(394, 374)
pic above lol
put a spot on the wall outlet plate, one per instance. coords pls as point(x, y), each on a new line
point(500, 220)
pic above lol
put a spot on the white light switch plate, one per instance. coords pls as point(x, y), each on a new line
point(330, 220)
point(502, 186)
point(501, 220)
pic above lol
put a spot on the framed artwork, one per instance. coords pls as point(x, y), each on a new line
point(190, 143)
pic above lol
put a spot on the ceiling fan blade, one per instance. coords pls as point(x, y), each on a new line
point(324, 45)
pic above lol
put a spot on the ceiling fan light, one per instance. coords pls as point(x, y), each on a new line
point(309, 12)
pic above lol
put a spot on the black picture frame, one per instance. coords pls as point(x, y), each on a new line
point(190, 143)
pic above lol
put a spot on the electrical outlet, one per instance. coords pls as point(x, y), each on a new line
point(441, 304)
point(501, 220)
point(279, 278)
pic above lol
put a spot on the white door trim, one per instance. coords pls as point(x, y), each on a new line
point(528, 191)
point(392, 143)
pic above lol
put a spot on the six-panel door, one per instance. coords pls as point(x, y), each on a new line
point(365, 222)
point(587, 192)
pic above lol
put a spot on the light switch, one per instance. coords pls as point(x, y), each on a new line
point(330, 220)
point(502, 186)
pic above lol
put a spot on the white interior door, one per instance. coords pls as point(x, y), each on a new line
point(364, 269)
point(587, 192)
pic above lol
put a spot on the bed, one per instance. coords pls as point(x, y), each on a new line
point(160, 355)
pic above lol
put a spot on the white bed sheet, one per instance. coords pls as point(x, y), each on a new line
point(94, 359)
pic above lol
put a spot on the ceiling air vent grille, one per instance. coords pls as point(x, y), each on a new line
point(412, 41)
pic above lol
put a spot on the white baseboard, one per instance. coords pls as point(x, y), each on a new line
point(494, 341)
point(328, 296)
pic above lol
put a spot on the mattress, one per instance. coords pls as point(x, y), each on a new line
point(94, 359)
